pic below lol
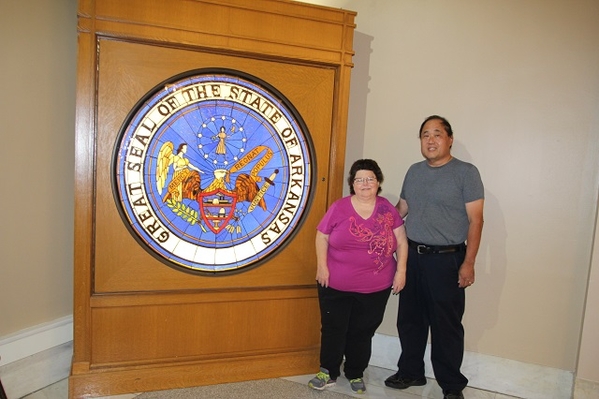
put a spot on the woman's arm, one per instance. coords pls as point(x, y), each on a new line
point(399, 281)
point(322, 269)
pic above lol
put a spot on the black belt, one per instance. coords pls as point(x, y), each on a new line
point(436, 249)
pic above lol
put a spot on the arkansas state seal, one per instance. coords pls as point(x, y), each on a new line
point(213, 171)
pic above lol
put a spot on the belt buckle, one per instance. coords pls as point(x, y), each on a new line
point(422, 249)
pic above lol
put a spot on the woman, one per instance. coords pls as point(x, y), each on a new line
point(356, 241)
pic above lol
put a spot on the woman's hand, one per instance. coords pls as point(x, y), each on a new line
point(399, 281)
point(322, 275)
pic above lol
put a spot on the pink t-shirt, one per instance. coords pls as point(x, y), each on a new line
point(361, 251)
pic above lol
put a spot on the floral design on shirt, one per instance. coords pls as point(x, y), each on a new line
point(380, 241)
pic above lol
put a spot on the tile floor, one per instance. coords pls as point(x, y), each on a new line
point(375, 389)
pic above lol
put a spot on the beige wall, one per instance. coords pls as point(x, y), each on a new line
point(517, 79)
point(588, 364)
point(38, 45)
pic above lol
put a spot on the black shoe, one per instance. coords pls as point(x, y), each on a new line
point(397, 382)
point(453, 395)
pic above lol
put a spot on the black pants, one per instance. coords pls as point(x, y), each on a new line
point(432, 300)
point(348, 323)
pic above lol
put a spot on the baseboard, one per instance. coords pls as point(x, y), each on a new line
point(584, 389)
point(38, 371)
point(41, 356)
point(36, 357)
point(35, 339)
point(489, 373)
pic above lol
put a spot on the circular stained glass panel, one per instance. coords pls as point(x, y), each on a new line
point(213, 170)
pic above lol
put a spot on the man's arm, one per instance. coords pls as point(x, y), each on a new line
point(402, 207)
point(474, 210)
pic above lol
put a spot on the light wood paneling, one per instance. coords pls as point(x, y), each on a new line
point(139, 324)
point(124, 77)
point(221, 325)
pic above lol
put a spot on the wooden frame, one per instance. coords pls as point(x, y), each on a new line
point(164, 329)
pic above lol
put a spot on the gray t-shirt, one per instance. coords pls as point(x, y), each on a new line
point(436, 198)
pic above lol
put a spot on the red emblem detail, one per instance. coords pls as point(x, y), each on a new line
point(217, 208)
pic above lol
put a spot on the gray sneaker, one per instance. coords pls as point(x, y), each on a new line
point(357, 385)
point(322, 380)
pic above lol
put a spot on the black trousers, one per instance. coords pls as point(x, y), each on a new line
point(348, 323)
point(432, 300)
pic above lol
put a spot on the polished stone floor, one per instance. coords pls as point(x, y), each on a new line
point(375, 389)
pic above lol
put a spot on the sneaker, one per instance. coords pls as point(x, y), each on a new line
point(453, 395)
point(398, 382)
point(357, 385)
point(322, 380)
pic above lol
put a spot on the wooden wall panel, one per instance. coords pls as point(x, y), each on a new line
point(279, 28)
point(124, 77)
point(219, 328)
point(140, 325)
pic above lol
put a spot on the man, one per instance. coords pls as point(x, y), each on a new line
point(443, 200)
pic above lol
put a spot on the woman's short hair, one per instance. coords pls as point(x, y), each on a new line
point(364, 164)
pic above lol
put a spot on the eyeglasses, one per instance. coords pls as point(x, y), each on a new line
point(365, 180)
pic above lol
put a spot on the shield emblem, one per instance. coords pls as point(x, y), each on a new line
point(217, 207)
